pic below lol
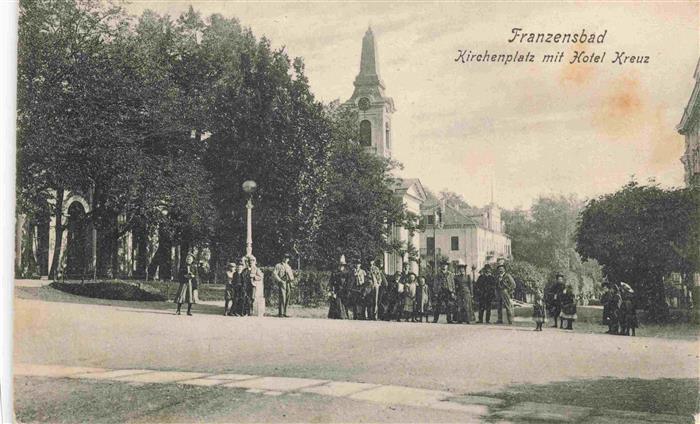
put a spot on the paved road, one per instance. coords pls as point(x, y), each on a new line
point(456, 359)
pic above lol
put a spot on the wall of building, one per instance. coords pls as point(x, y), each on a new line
point(691, 156)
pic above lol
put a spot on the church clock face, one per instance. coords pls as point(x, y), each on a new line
point(363, 103)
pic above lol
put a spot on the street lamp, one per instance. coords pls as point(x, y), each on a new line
point(249, 187)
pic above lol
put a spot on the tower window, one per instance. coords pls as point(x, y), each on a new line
point(387, 138)
point(365, 133)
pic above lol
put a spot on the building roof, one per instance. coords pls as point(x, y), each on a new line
point(369, 66)
point(690, 113)
point(402, 185)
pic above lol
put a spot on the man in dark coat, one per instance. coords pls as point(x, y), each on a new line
point(485, 291)
point(553, 298)
point(504, 289)
point(444, 292)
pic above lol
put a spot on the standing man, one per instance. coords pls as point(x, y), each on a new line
point(356, 284)
point(485, 291)
point(463, 287)
point(553, 297)
point(229, 291)
point(378, 283)
point(255, 277)
point(444, 292)
point(241, 304)
point(504, 287)
point(284, 276)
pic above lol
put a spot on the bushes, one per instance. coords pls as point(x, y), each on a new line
point(310, 288)
point(113, 290)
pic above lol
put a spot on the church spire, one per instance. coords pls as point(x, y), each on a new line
point(369, 66)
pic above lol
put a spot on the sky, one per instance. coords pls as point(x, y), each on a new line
point(529, 129)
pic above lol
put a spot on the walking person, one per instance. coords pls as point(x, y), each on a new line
point(504, 287)
point(186, 293)
point(568, 308)
point(539, 314)
point(485, 292)
point(422, 299)
point(463, 288)
point(553, 298)
point(444, 292)
point(338, 284)
point(284, 276)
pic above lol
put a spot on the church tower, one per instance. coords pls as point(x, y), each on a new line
point(374, 108)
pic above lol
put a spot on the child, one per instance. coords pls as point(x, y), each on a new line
point(538, 311)
point(422, 297)
point(409, 294)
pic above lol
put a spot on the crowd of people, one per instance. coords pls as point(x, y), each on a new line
point(368, 294)
point(619, 312)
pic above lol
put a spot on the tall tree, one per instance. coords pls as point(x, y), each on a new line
point(640, 234)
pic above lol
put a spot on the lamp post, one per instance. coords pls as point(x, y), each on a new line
point(249, 187)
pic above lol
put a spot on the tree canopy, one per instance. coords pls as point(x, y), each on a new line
point(160, 120)
point(640, 234)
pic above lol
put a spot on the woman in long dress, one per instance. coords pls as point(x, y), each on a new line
point(187, 292)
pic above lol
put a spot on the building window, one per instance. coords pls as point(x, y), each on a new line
point(430, 245)
point(454, 241)
point(430, 219)
point(365, 133)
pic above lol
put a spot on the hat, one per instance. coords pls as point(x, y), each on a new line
point(501, 266)
point(342, 260)
point(231, 265)
point(461, 263)
point(559, 274)
point(444, 262)
point(251, 258)
point(286, 256)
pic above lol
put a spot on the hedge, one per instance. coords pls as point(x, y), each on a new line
point(113, 290)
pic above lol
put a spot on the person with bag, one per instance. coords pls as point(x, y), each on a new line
point(187, 292)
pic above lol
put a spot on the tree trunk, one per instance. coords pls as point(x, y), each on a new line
point(58, 213)
point(162, 258)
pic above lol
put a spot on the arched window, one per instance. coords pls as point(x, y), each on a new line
point(387, 138)
point(365, 133)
